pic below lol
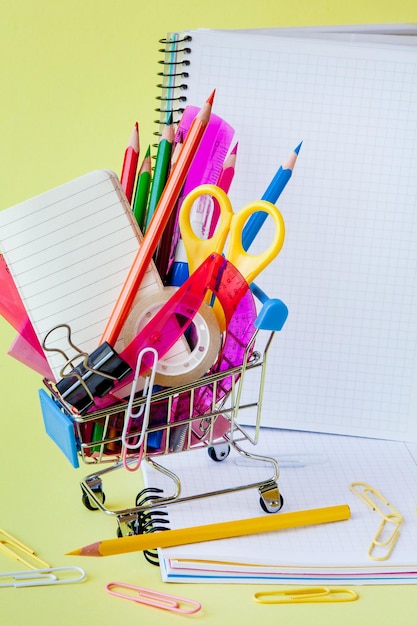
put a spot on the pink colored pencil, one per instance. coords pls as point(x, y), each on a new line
point(224, 182)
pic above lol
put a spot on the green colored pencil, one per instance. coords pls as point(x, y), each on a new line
point(142, 189)
point(161, 170)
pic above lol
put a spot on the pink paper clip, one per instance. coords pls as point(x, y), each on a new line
point(155, 598)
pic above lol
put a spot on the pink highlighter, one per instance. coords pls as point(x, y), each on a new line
point(206, 168)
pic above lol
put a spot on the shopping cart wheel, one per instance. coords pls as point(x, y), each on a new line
point(219, 452)
point(268, 508)
point(89, 503)
point(271, 500)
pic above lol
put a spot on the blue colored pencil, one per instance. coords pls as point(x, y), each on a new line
point(272, 193)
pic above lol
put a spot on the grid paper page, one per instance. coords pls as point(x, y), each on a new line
point(345, 361)
point(69, 251)
point(315, 471)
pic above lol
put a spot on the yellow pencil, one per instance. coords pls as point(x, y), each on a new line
point(209, 532)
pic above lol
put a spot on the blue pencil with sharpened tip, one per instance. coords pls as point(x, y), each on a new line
point(272, 193)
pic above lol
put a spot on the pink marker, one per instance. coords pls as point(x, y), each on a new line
point(206, 168)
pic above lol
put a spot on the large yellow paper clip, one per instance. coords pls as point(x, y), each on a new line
point(33, 577)
point(388, 531)
point(305, 594)
point(18, 551)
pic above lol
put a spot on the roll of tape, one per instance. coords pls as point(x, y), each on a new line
point(189, 358)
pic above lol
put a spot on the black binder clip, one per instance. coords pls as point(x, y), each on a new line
point(93, 377)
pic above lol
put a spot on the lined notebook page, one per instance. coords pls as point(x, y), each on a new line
point(69, 251)
point(315, 471)
point(345, 361)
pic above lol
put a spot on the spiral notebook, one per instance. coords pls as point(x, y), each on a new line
point(345, 362)
point(316, 470)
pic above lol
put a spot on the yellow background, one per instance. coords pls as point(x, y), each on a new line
point(75, 75)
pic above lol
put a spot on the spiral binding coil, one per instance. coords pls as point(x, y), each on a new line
point(173, 78)
point(149, 520)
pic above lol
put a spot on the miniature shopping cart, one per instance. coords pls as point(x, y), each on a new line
point(208, 413)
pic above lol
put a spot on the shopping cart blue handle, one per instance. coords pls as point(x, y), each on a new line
point(273, 313)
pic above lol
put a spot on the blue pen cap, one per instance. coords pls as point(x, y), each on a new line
point(178, 273)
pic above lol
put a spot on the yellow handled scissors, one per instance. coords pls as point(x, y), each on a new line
point(230, 224)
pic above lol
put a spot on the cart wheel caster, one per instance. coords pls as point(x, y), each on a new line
point(269, 507)
point(119, 533)
point(271, 500)
point(129, 526)
point(91, 506)
point(219, 452)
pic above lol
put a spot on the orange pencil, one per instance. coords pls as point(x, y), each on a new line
point(130, 164)
point(157, 224)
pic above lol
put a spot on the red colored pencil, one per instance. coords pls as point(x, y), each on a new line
point(165, 206)
point(130, 164)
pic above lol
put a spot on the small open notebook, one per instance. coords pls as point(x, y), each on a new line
point(69, 251)
point(315, 471)
point(346, 360)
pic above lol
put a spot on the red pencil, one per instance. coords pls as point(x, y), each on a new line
point(157, 224)
point(130, 163)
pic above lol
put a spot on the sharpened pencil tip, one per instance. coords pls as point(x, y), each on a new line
point(210, 99)
point(134, 138)
point(90, 550)
point(297, 150)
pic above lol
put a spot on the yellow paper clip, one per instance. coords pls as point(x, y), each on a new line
point(384, 537)
point(40, 577)
point(18, 551)
point(305, 594)
point(154, 598)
